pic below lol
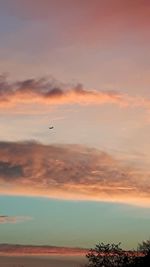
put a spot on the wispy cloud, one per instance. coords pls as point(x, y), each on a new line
point(13, 219)
point(43, 91)
point(70, 172)
point(52, 92)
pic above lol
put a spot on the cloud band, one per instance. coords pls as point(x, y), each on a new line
point(69, 172)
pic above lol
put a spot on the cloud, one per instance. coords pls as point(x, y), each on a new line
point(13, 219)
point(70, 172)
point(9, 249)
point(50, 92)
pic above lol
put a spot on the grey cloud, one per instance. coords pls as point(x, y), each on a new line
point(7, 170)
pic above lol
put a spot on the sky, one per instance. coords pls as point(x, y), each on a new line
point(82, 66)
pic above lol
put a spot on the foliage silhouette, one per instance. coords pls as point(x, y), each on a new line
point(111, 255)
point(108, 255)
point(144, 247)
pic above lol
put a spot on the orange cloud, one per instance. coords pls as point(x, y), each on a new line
point(42, 91)
point(69, 172)
point(50, 92)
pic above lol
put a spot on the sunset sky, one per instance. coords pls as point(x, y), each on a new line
point(82, 66)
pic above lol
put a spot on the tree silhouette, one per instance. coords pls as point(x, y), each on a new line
point(108, 255)
point(144, 247)
point(111, 255)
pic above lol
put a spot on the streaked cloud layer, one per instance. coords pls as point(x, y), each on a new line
point(70, 172)
point(10, 249)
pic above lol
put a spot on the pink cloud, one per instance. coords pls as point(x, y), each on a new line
point(45, 92)
point(8, 249)
point(70, 172)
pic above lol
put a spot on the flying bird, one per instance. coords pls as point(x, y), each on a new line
point(51, 127)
